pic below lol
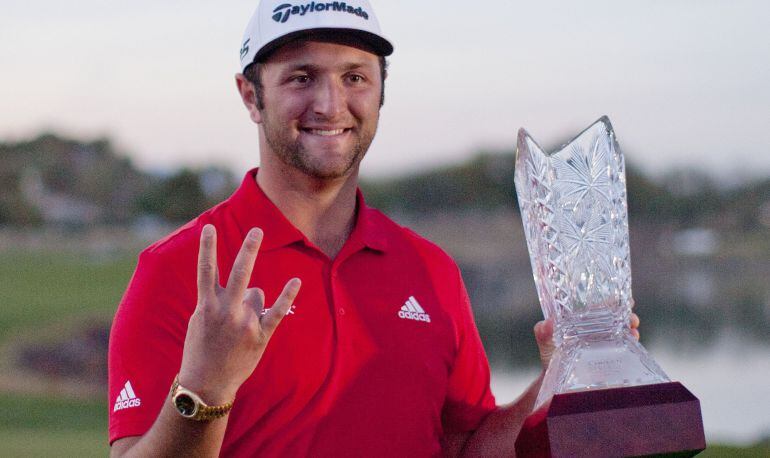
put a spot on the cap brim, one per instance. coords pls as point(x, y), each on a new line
point(369, 41)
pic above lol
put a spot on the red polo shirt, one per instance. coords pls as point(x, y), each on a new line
point(380, 356)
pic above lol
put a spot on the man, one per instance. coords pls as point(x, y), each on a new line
point(377, 355)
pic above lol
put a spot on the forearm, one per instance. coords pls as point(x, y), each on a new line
point(496, 436)
point(173, 435)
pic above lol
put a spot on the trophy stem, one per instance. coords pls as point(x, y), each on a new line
point(604, 359)
point(601, 323)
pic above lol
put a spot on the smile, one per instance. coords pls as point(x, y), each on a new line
point(325, 133)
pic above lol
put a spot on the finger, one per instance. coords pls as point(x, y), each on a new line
point(544, 331)
point(544, 337)
point(255, 299)
point(207, 262)
point(242, 267)
point(281, 306)
point(635, 333)
point(634, 322)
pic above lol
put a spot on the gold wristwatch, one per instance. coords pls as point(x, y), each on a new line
point(190, 405)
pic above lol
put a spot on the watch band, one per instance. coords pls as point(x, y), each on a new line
point(191, 406)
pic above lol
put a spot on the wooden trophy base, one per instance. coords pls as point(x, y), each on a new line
point(663, 419)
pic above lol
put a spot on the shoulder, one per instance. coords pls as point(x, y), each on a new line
point(164, 280)
point(403, 239)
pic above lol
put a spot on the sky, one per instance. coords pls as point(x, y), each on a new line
point(685, 83)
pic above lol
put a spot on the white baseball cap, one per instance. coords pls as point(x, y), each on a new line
point(275, 22)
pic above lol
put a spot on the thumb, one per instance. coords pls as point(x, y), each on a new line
point(544, 338)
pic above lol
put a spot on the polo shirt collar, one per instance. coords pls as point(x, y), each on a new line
point(253, 208)
point(369, 229)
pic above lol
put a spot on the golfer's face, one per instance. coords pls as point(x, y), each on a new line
point(321, 106)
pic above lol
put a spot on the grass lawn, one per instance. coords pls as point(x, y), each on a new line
point(42, 443)
point(38, 289)
point(42, 426)
point(41, 288)
point(719, 451)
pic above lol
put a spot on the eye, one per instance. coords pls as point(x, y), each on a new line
point(300, 79)
point(355, 78)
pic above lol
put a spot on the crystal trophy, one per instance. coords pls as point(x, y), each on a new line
point(574, 211)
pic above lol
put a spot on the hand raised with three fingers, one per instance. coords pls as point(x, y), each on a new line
point(230, 328)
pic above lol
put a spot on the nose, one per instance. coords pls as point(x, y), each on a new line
point(329, 98)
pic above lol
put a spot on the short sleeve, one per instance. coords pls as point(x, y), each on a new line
point(146, 341)
point(469, 396)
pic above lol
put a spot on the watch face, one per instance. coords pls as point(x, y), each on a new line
point(185, 405)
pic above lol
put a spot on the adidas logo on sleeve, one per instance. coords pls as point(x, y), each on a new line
point(411, 310)
point(126, 399)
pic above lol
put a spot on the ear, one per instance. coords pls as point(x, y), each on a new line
point(248, 97)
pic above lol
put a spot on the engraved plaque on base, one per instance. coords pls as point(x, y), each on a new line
point(574, 210)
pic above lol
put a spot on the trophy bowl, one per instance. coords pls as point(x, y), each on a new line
point(575, 216)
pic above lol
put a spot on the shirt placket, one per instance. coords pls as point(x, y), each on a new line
point(341, 306)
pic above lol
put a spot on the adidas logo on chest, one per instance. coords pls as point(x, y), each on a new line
point(411, 310)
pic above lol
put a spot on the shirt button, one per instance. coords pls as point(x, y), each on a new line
point(341, 311)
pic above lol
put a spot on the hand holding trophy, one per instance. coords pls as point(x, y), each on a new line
point(603, 395)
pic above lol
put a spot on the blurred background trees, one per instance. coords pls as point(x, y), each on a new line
point(51, 179)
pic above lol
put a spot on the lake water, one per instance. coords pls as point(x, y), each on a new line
point(731, 378)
